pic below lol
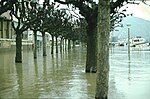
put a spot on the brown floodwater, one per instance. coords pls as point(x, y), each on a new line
point(63, 75)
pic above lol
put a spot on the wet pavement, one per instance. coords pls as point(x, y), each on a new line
point(63, 75)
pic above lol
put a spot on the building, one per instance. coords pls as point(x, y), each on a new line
point(7, 33)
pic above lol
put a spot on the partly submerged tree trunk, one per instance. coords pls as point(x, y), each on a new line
point(18, 58)
point(65, 44)
point(35, 44)
point(91, 50)
point(52, 46)
point(56, 45)
point(61, 44)
point(103, 50)
point(74, 41)
point(44, 44)
point(69, 44)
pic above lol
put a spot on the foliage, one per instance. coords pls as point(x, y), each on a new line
point(6, 5)
point(34, 16)
point(79, 30)
point(89, 9)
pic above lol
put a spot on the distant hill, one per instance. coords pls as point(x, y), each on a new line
point(139, 27)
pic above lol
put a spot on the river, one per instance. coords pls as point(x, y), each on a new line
point(63, 75)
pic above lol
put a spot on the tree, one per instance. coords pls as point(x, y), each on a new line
point(45, 14)
point(100, 34)
point(6, 5)
point(78, 31)
point(56, 21)
point(89, 10)
point(19, 12)
point(90, 14)
point(102, 49)
point(39, 16)
point(52, 25)
point(60, 19)
point(66, 32)
point(75, 34)
point(34, 16)
point(42, 18)
point(83, 25)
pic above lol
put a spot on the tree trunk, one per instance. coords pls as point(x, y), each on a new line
point(35, 44)
point(73, 43)
point(91, 50)
point(69, 44)
point(65, 44)
point(44, 44)
point(18, 58)
point(56, 45)
point(103, 50)
point(52, 48)
point(61, 44)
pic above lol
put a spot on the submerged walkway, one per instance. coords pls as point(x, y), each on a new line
point(62, 75)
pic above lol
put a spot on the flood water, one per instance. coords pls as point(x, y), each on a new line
point(63, 75)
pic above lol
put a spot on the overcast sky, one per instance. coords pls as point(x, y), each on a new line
point(141, 11)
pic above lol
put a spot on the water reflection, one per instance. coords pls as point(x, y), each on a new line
point(129, 71)
point(19, 78)
point(131, 76)
point(91, 85)
point(62, 75)
point(129, 57)
point(44, 69)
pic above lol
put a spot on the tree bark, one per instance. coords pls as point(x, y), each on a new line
point(91, 50)
point(52, 47)
point(35, 44)
point(103, 49)
point(18, 58)
point(44, 44)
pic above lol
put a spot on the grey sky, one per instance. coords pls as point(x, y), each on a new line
point(141, 10)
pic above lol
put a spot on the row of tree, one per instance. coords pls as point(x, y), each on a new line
point(46, 17)
point(89, 9)
point(101, 19)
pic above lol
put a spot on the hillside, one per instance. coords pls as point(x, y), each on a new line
point(139, 27)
